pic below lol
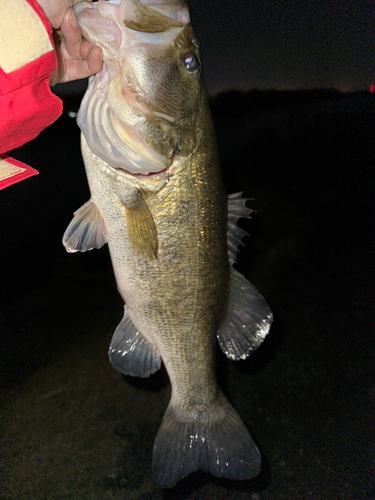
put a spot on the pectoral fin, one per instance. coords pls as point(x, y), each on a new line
point(130, 352)
point(141, 228)
point(86, 230)
point(247, 321)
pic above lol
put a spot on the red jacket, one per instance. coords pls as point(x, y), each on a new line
point(27, 105)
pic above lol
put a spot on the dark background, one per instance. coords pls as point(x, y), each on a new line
point(73, 428)
point(286, 44)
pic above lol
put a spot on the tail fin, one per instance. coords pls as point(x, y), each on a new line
point(214, 441)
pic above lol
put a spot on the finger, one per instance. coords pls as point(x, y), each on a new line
point(77, 69)
point(95, 60)
point(59, 72)
point(72, 35)
point(85, 49)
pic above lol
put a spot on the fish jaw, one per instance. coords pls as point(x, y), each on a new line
point(114, 141)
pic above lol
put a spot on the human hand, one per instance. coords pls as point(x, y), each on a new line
point(77, 58)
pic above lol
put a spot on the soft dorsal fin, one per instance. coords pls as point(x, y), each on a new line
point(130, 352)
point(236, 209)
point(141, 228)
point(86, 230)
point(248, 318)
point(247, 321)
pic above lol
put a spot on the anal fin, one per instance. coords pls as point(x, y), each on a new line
point(130, 352)
point(247, 321)
point(86, 230)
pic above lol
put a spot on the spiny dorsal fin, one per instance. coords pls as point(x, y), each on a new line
point(86, 230)
point(130, 352)
point(141, 228)
point(236, 209)
point(247, 321)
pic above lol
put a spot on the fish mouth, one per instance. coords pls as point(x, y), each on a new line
point(163, 14)
point(160, 175)
point(114, 141)
point(113, 112)
point(97, 28)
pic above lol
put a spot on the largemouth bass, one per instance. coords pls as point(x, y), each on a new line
point(158, 200)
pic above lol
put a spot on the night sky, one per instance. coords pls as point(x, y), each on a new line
point(286, 44)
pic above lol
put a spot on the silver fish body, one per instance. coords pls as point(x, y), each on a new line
point(157, 198)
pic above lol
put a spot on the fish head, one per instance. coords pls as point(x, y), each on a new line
point(141, 111)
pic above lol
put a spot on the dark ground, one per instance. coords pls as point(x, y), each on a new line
point(73, 428)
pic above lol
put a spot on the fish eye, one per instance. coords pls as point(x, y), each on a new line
point(192, 63)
